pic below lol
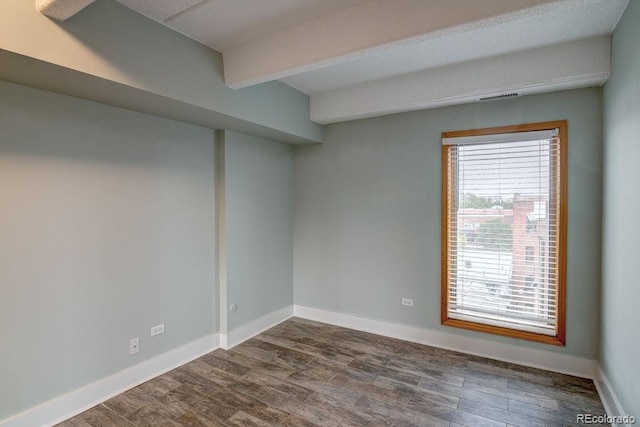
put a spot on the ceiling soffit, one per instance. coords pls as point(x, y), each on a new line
point(322, 47)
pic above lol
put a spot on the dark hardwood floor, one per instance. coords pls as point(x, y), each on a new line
point(303, 373)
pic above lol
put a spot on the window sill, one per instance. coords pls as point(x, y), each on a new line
point(505, 332)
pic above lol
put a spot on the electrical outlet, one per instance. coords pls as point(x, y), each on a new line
point(157, 330)
point(408, 302)
point(134, 345)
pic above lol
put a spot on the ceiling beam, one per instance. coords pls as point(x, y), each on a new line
point(61, 10)
point(111, 54)
point(362, 30)
point(570, 65)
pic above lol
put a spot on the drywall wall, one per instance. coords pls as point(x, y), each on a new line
point(367, 217)
point(258, 227)
point(620, 344)
point(112, 43)
point(107, 229)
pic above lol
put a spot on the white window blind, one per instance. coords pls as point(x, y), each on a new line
point(502, 232)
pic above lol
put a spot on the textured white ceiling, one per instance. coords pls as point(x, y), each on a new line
point(357, 32)
point(221, 24)
point(522, 32)
point(159, 10)
point(322, 46)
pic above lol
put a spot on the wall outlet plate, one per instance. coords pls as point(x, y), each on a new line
point(134, 345)
point(157, 330)
point(408, 302)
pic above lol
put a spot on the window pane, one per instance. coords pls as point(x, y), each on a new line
point(502, 234)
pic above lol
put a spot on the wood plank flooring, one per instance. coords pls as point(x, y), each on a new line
point(303, 373)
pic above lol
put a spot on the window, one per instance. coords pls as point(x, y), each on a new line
point(504, 193)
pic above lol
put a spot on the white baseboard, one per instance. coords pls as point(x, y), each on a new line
point(77, 401)
point(608, 396)
point(535, 358)
point(255, 327)
point(223, 341)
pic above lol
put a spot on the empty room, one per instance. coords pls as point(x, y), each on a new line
point(319, 212)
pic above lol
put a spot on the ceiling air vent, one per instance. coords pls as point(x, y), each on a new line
point(496, 97)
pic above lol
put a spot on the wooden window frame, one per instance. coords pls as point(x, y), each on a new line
point(448, 225)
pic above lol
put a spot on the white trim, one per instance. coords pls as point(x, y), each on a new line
point(542, 359)
point(255, 327)
point(608, 396)
point(224, 341)
point(79, 400)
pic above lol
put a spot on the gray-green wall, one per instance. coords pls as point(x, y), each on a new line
point(367, 216)
point(106, 229)
point(164, 71)
point(620, 346)
point(258, 187)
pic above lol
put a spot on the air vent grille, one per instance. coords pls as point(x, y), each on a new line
point(496, 97)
